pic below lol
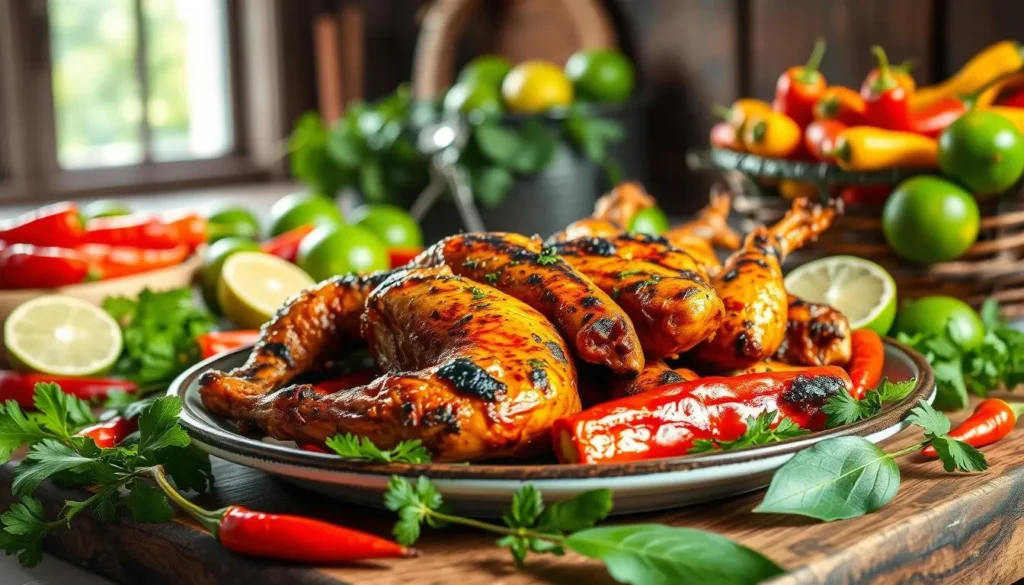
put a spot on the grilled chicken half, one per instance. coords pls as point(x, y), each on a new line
point(469, 370)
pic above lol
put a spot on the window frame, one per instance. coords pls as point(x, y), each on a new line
point(29, 170)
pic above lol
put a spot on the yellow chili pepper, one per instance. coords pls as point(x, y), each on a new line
point(771, 134)
point(865, 148)
point(996, 60)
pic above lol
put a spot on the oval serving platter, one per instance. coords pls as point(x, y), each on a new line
point(485, 489)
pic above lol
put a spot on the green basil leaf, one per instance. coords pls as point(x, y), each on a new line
point(834, 479)
point(655, 554)
point(527, 504)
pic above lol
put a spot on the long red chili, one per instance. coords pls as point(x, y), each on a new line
point(886, 102)
point(20, 386)
point(286, 245)
point(866, 360)
point(283, 536)
point(992, 420)
point(799, 88)
point(218, 342)
point(936, 117)
point(109, 433)
point(117, 261)
point(54, 225)
point(148, 231)
point(28, 266)
point(665, 421)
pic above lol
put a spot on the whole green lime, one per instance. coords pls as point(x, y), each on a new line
point(650, 220)
point(104, 208)
point(330, 250)
point(942, 315)
point(392, 225)
point(604, 75)
point(928, 219)
point(486, 69)
point(232, 221)
point(213, 263)
point(299, 209)
point(471, 96)
point(984, 151)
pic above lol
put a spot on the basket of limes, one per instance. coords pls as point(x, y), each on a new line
point(930, 176)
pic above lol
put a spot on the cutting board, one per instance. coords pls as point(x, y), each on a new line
point(941, 528)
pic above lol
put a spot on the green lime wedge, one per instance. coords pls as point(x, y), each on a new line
point(861, 289)
point(254, 285)
point(62, 336)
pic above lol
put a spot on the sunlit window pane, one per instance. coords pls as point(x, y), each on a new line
point(189, 105)
point(95, 90)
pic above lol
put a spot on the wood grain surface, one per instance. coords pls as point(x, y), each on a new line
point(941, 528)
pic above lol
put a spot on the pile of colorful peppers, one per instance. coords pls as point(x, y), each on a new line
point(889, 122)
point(52, 247)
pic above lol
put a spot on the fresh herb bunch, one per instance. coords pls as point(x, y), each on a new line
point(118, 474)
point(843, 408)
point(759, 432)
point(633, 553)
point(160, 331)
point(353, 448)
point(847, 477)
point(997, 363)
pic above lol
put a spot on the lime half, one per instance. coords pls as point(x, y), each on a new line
point(254, 285)
point(861, 289)
point(62, 336)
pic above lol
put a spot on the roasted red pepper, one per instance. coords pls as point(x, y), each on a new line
point(283, 536)
point(20, 386)
point(360, 378)
point(218, 342)
point(28, 266)
point(55, 225)
point(866, 360)
point(886, 102)
point(800, 88)
point(286, 245)
point(117, 261)
point(109, 433)
point(148, 231)
point(992, 420)
point(820, 138)
point(840, 103)
point(665, 421)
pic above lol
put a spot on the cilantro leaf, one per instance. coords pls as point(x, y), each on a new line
point(188, 467)
point(356, 448)
point(158, 425)
point(61, 413)
point(759, 431)
point(413, 503)
point(44, 459)
point(547, 256)
point(889, 391)
point(934, 423)
point(527, 505)
point(16, 430)
point(148, 504)
point(958, 455)
point(843, 408)
point(24, 527)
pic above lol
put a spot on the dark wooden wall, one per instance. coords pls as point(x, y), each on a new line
point(692, 53)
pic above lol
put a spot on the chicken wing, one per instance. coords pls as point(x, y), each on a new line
point(655, 373)
point(469, 370)
point(663, 290)
point(709, 229)
point(598, 329)
point(750, 286)
point(585, 228)
point(816, 335)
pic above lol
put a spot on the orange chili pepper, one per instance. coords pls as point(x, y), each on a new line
point(866, 359)
point(840, 103)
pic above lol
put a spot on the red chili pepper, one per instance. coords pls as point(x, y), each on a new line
point(799, 88)
point(55, 225)
point(665, 421)
point(724, 135)
point(820, 138)
point(1014, 100)
point(992, 420)
point(286, 245)
point(148, 231)
point(886, 102)
point(401, 256)
point(26, 266)
point(360, 378)
point(840, 103)
point(936, 117)
point(218, 342)
point(108, 434)
point(866, 359)
point(117, 261)
point(20, 386)
point(865, 195)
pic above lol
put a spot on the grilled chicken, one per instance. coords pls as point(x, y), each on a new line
point(594, 325)
point(750, 286)
point(469, 370)
point(663, 290)
point(655, 373)
point(585, 228)
point(709, 229)
point(816, 335)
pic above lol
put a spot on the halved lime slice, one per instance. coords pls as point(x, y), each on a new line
point(62, 336)
point(254, 285)
point(861, 289)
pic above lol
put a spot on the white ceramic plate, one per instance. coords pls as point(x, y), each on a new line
point(485, 489)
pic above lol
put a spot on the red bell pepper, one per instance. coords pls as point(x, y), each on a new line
point(886, 102)
point(286, 245)
point(218, 342)
point(26, 266)
point(55, 225)
point(800, 88)
point(117, 261)
point(820, 138)
point(148, 231)
point(20, 386)
point(665, 421)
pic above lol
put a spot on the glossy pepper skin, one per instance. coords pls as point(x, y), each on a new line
point(108, 434)
point(866, 360)
point(933, 119)
point(886, 102)
point(20, 386)
point(148, 231)
point(999, 59)
point(901, 73)
point(55, 225)
point(991, 420)
point(665, 421)
point(26, 266)
point(820, 138)
point(286, 245)
point(117, 261)
point(864, 148)
point(799, 88)
point(772, 135)
point(218, 342)
point(842, 104)
point(1014, 100)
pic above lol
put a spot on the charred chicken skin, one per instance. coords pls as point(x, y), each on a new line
point(655, 373)
point(469, 370)
point(751, 288)
point(816, 335)
point(594, 325)
point(662, 289)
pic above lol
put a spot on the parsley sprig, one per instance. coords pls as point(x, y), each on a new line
point(759, 432)
point(355, 448)
point(843, 408)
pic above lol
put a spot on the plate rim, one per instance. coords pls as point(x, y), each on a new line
point(255, 448)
